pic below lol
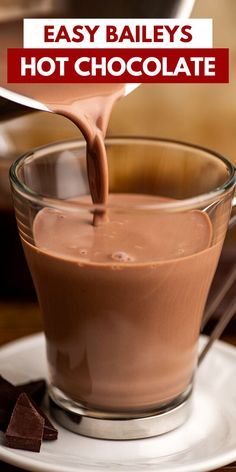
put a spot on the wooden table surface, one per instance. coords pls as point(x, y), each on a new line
point(22, 319)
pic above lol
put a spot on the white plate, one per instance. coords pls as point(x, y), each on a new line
point(207, 441)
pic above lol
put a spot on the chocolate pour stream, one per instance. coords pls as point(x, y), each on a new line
point(87, 105)
point(97, 166)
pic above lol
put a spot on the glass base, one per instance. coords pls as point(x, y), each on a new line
point(120, 426)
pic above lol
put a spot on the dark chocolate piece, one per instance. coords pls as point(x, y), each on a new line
point(25, 430)
point(8, 397)
point(50, 433)
point(36, 390)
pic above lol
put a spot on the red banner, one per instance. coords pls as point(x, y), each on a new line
point(118, 66)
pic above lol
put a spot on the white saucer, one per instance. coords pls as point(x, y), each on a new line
point(207, 441)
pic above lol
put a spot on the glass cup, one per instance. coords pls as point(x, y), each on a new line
point(122, 334)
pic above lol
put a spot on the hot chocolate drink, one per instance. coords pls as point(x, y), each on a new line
point(122, 302)
point(122, 294)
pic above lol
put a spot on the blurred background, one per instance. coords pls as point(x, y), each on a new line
point(199, 113)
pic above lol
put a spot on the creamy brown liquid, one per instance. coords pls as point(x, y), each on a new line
point(122, 302)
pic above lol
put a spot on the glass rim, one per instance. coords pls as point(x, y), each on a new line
point(70, 144)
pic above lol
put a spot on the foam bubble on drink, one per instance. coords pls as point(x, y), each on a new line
point(83, 252)
point(121, 256)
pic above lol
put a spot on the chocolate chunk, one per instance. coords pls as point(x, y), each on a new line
point(4, 419)
point(25, 430)
point(8, 397)
point(9, 394)
point(36, 390)
point(50, 433)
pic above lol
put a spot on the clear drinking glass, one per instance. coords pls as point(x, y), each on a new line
point(122, 338)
